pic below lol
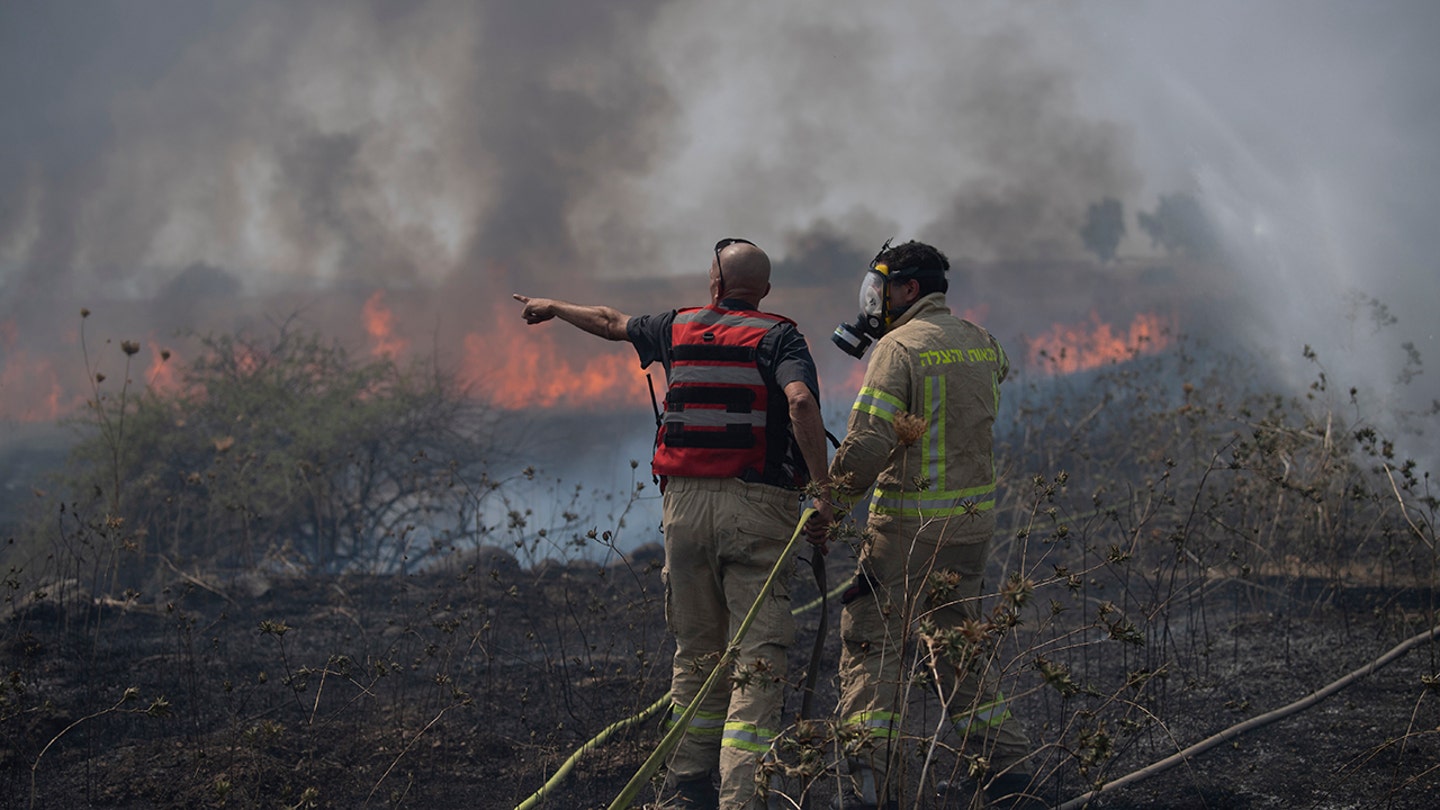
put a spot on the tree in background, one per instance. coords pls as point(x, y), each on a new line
point(1104, 228)
point(1180, 225)
point(284, 449)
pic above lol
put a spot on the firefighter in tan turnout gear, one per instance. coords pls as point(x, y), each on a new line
point(741, 436)
point(920, 434)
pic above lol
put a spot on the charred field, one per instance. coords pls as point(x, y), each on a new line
point(470, 689)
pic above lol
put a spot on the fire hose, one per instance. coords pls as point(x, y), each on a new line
point(1253, 723)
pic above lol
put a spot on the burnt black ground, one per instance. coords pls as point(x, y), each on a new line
point(468, 689)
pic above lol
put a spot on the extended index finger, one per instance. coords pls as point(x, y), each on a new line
point(518, 297)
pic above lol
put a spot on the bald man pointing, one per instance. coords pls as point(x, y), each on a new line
point(742, 435)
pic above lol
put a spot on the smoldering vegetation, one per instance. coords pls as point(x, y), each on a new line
point(344, 602)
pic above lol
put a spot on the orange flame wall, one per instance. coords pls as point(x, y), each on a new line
point(30, 389)
point(515, 366)
point(1068, 348)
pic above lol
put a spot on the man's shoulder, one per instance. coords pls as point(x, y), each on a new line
point(650, 328)
point(782, 319)
point(653, 319)
point(776, 320)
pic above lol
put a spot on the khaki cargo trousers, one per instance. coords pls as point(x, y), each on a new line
point(722, 538)
point(894, 592)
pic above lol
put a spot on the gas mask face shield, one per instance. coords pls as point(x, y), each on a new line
point(875, 316)
point(874, 293)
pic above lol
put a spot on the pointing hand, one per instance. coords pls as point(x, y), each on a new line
point(537, 310)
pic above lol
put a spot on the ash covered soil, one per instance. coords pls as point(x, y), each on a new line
point(469, 688)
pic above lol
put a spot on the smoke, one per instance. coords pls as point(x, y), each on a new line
point(381, 144)
point(193, 158)
point(1306, 130)
point(958, 123)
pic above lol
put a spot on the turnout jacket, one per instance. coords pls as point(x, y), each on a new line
point(947, 371)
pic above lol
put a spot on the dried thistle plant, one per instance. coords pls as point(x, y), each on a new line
point(909, 427)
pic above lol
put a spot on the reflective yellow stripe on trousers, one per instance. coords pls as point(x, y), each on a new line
point(885, 725)
point(988, 715)
point(710, 723)
point(747, 737)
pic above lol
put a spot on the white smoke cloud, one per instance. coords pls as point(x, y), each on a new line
point(1308, 131)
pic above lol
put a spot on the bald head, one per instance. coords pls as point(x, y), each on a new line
point(741, 270)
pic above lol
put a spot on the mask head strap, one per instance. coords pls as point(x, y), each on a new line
point(903, 273)
point(875, 262)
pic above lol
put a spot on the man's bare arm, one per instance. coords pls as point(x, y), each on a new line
point(809, 427)
point(603, 321)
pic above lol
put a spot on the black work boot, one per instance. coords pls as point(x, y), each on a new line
point(1013, 791)
point(690, 794)
point(957, 794)
point(859, 792)
point(848, 799)
point(1007, 791)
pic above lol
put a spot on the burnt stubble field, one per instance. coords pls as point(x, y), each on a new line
point(471, 689)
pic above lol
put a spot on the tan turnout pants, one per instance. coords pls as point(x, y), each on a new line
point(722, 538)
point(893, 587)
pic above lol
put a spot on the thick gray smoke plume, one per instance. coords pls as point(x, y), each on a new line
point(393, 144)
point(382, 144)
point(189, 156)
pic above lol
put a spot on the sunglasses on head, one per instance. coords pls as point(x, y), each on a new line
point(721, 245)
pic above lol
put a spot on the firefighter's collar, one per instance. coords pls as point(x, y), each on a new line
point(930, 304)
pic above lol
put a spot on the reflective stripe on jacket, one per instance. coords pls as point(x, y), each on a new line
point(947, 372)
point(717, 420)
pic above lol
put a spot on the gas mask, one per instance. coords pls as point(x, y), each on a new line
point(875, 316)
point(877, 311)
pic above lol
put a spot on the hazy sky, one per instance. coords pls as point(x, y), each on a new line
point(498, 146)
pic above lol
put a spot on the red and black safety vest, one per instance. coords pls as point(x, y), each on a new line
point(718, 422)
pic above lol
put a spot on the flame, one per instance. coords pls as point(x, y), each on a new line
point(1068, 348)
point(161, 377)
point(380, 324)
point(516, 366)
point(508, 363)
point(30, 390)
